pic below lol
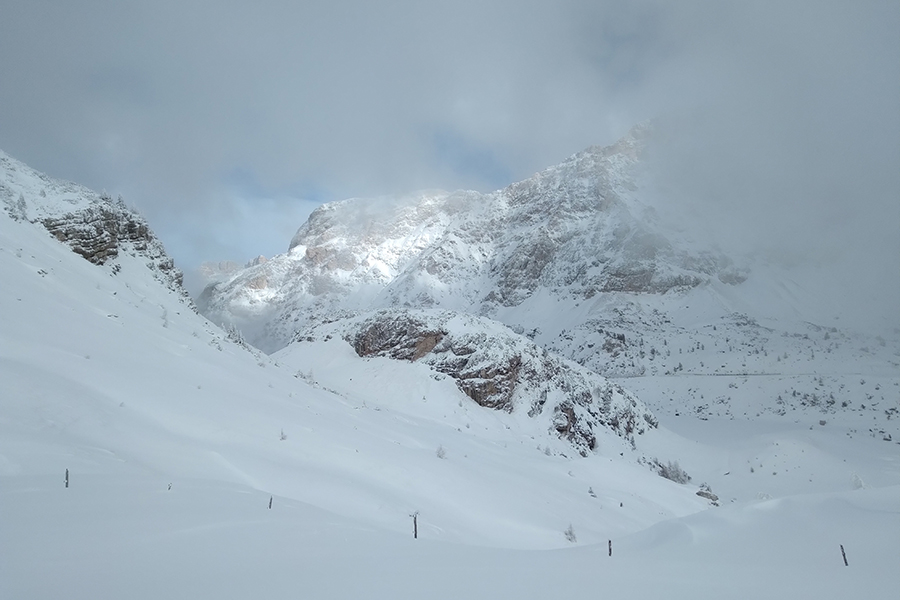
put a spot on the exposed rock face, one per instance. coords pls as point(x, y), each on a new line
point(104, 229)
point(501, 370)
point(97, 232)
point(578, 229)
point(96, 227)
point(401, 337)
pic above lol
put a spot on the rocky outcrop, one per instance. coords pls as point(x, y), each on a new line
point(97, 232)
point(95, 226)
point(501, 370)
point(104, 229)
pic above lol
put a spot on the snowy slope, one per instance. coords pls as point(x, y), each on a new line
point(497, 369)
point(120, 537)
point(97, 228)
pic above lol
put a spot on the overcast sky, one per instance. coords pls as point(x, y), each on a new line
point(226, 122)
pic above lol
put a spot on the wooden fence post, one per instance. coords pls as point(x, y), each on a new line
point(415, 518)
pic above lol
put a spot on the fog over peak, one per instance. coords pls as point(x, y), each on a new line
point(226, 124)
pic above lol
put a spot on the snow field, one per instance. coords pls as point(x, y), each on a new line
point(115, 379)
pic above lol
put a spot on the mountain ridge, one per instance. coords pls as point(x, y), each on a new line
point(92, 224)
point(570, 229)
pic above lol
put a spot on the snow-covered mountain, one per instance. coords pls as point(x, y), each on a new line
point(146, 453)
point(575, 231)
point(575, 259)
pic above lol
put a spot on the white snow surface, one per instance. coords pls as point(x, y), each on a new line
point(176, 438)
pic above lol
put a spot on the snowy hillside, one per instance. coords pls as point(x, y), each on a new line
point(500, 370)
point(99, 229)
point(146, 453)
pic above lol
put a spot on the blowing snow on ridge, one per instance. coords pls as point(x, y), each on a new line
point(580, 230)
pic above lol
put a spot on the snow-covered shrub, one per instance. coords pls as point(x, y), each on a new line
point(673, 471)
point(233, 334)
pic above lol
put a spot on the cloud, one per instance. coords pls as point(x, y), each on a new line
point(792, 151)
point(783, 116)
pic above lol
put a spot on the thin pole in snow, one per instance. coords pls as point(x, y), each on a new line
point(844, 554)
point(610, 547)
point(415, 518)
point(270, 502)
point(67, 478)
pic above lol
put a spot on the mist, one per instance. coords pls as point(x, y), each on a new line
point(226, 124)
point(793, 160)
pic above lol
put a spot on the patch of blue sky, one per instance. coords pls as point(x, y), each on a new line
point(472, 164)
point(244, 182)
point(265, 218)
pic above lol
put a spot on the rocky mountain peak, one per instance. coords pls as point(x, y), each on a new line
point(577, 229)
